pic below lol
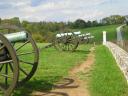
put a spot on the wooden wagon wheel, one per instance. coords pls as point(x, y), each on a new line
point(66, 42)
point(28, 55)
point(9, 67)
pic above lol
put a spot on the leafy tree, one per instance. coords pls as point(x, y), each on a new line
point(70, 24)
point(94, 23)
point(89, 24)
point(114, 19)
point(15, 21)
point(79, 23)
point(24, 23)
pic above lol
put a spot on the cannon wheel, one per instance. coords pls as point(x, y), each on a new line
point(9, 67)
point(26, 68)
point(28, 55)
point(66, 43)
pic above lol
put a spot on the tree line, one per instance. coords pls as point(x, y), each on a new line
point(44, 31)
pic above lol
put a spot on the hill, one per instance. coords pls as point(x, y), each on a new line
point(97, 32)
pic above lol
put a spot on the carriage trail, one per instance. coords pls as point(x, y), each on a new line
point(72, 85)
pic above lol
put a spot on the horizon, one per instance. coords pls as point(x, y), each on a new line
point(61, 11)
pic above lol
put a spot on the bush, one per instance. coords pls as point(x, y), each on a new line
point(37, 37)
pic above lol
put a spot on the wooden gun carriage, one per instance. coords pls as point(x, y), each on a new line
point(13, 67)
point(70, 41)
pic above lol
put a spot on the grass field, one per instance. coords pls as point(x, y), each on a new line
point(53, 66)
point(106, 78)
point(98, 31)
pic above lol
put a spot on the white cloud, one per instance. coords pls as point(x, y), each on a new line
point(53, 10)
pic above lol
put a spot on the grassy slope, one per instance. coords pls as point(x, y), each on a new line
point(106, 78)
point(97, 32)
point(53, 66)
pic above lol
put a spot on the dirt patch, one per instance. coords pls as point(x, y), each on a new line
point(85, 66)
point(73, 85)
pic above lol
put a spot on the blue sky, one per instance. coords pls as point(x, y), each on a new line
point(62, 10)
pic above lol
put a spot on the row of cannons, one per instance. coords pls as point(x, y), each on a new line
point(18, 65)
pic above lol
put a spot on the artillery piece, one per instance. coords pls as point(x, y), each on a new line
point(13, 72)
point(18, 65)
point(70, 41)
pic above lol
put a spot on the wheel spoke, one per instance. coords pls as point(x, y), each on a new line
point(68, 47)
point(71, 46)
point(1, 67)
point(13, 44)
point(6, 78)
point(4, 75)
point(26, 53)
point(24, 72)
point(2, 47)
point(26, 62)
point(64, 47)
point(22, 45)
point(7, 61)
point(10, 65)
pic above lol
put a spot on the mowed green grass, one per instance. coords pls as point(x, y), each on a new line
point(106, 78)
point(53, 66)
point(98, 32)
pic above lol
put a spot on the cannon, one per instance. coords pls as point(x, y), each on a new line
point(18, 65)
point(15, 70)
point(70, 41)
point(66, 41)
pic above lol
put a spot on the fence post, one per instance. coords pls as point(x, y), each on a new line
point(104, 38)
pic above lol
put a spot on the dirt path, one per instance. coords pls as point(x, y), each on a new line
point(73, 85)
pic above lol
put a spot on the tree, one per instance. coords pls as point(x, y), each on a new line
point(15, 21)
point(79, 23)
point(113, 19)
point(89, 24)
point(24, 23)
point(94, 23)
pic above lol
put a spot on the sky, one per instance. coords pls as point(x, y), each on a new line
point(62, 10)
